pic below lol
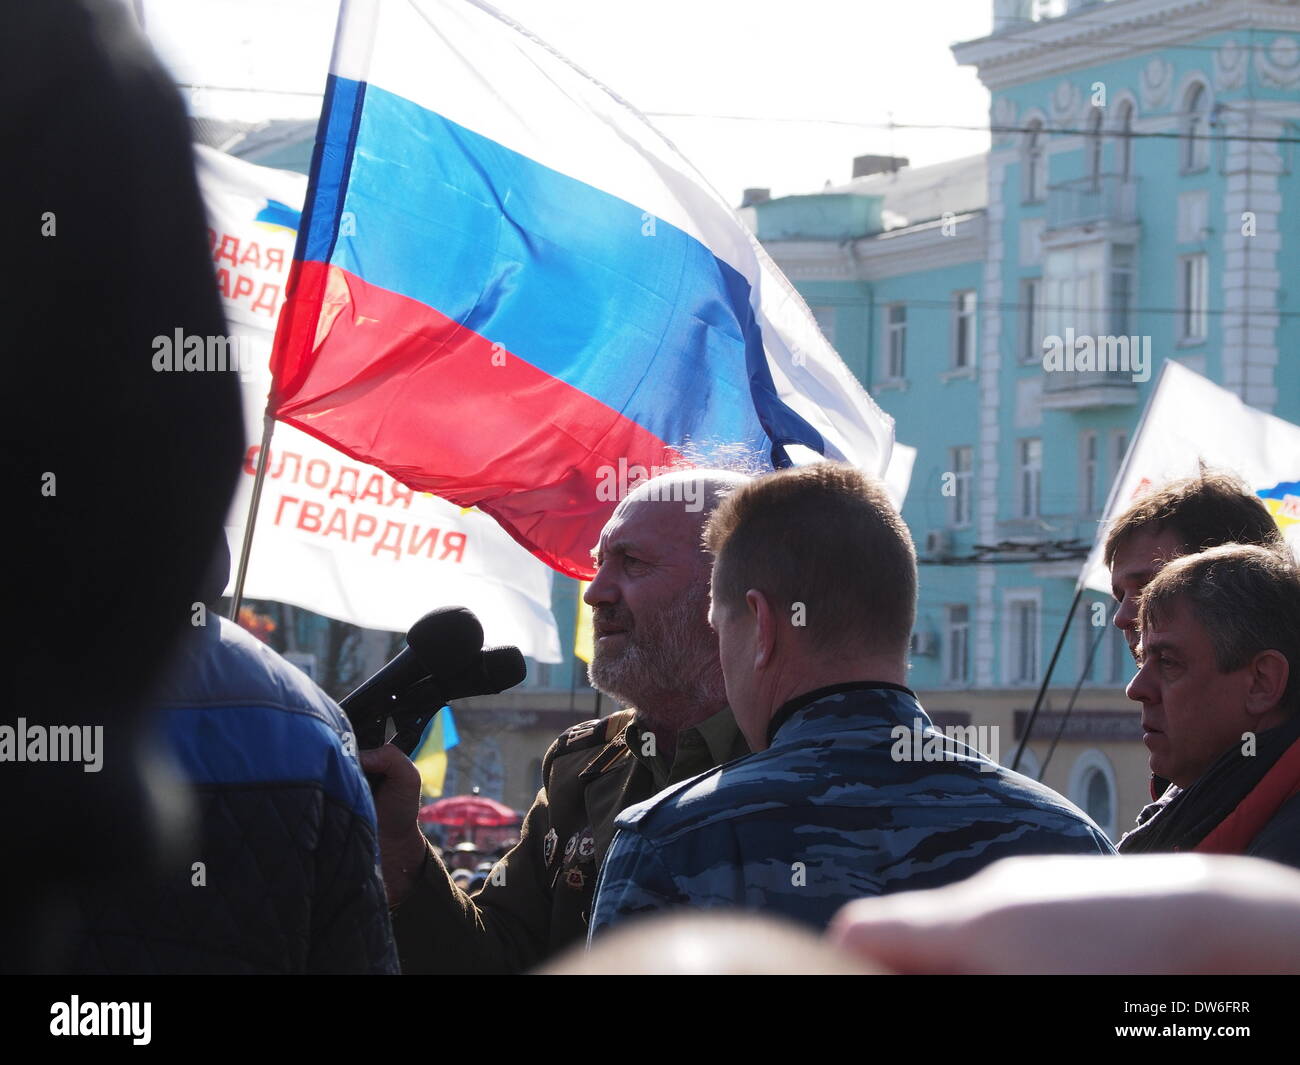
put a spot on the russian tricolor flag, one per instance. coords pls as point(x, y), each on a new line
point(507, 281)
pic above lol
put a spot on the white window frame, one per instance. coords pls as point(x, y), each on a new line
point(1033, 164)
point(1194, 147)
point(955, 632)
point(1090, 471)
point(893, 329)
point(961, 504)
point(1031, 321)
point(1193, 297)
point(1094, 147)
point(1028, 491)
point(1089, 761)
point(1124, 141)
point(1013, 638)
point(964, 324)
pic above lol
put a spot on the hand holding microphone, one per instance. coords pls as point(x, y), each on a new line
point(443, 659)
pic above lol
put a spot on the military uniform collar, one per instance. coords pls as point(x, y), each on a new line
point(712, 742)
point(799, 702)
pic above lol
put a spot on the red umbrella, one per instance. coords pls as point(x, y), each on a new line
point(469, 811)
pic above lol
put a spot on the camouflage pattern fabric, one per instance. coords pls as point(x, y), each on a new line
point(858, 794)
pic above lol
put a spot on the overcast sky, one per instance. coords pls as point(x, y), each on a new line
point(783, 62)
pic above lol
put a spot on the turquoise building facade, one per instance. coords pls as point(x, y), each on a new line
point(1141, 183)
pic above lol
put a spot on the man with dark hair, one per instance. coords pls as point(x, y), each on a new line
point(852, 790)
point(1180, 518)
point(1219, 684)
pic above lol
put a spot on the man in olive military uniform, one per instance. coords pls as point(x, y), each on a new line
point(654, 652)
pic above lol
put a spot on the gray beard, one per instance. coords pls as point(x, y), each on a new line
point(669, 669)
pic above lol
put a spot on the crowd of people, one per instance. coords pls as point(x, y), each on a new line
point(757, 644)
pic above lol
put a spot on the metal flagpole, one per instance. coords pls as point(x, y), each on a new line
point(268, 427)
point(1087, 564)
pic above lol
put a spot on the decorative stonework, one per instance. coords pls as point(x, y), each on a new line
point(1066, 103)
point(1230, 66)
point(1279, 64)
point(1004, 116)
point(1156, 81)
point(1252, 282)
point(989, 370)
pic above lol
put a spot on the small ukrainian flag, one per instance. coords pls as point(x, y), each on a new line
point(1283, 502)
point(430, 756)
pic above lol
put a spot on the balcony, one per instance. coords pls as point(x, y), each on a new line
point(1088, 389)
point(1108, 199)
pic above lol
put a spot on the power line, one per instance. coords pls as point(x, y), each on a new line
point(1005, 305)
point(944, 127)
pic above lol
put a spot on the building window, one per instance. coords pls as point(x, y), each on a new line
point(1124, 141)
point(1196, 129)
point(956, 644)
point(1094, 148)
point(1073, 293)
point(895, 342)
point(1121, 288)
point(1089, 456)
point(1033, 164)
point(1031, 320)
point(959, 503)
point(1092, 789)
point(1193, 294)
point(1029, 475)
point(963, 348)
point(1022, 640)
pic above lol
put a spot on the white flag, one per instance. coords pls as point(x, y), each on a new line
point(1189, 419)
point(334, 535)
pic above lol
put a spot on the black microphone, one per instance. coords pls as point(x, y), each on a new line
point(488, 672)
point(440, 643)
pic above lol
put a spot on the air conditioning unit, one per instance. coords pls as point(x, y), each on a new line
point(923, 642)
point(938, 543)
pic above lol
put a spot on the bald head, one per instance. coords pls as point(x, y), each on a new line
point(653, 646)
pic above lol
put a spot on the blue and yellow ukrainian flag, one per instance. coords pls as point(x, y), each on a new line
point(1283, 502)
point(430, 757)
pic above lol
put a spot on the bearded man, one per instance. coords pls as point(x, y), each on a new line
point(654, 652)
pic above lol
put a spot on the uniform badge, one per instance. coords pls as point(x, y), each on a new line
point(548, 846)
point(586, 848)
point(570, 848)
point(575, 878)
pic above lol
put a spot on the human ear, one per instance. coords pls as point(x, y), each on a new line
point(1269, 672)
point(764, 626)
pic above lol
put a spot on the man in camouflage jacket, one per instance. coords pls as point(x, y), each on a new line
point(851, 791)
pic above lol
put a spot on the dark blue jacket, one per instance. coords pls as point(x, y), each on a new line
point(283, 876)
